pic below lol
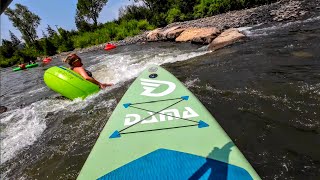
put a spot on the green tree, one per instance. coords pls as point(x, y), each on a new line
point(7, 51)
point(44, 35)
point(48, 47)
point(153, 5)
point(90, 9)
point(50, 31)
point(15, 41)
point(81, 24)
point(25, 21)
point(161, 12)
point(134, 12)
point(66, 43)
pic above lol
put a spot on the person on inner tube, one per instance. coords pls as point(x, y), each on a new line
point(75, 62)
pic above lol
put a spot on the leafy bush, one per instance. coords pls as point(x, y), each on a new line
point(173, 15)
point(144, 25)
point(111, 31)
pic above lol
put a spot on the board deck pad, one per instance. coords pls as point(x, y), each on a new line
point(160, 130)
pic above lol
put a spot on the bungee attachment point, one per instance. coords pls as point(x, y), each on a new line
point(126, 105)
point(202, 124)
point(185, 98)
point(115, 134)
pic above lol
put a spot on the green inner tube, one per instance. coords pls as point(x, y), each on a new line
point(68, 83)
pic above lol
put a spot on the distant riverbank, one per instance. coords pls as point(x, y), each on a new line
point(274, 14)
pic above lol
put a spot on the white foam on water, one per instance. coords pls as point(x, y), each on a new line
point(35, 91)
point(313, 19)
point(105, 104)
point(24, 126)
point(192, 83)
point(123, 67)
point(311, 89)
point(251, 32)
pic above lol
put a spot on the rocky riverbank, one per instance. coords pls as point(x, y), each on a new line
point(205, 30)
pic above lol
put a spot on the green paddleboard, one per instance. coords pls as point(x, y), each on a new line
point(32, 65)
point(27, 66)
point(160, 130)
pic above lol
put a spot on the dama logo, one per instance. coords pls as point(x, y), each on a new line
point(165, 115)
point(150, 86)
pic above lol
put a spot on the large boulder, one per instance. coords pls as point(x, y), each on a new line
point(163, 34)
point(167, 34)
point(154, 35)
point(198, 35)
point(226, 38)
point(175, 33)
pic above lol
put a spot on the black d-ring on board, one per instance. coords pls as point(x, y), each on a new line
point(152, 76)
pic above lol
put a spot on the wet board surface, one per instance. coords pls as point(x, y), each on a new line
point(160, 130)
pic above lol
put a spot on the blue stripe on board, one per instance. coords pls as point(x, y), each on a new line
point(168, 164)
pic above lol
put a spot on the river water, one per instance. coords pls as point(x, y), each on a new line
point(264, 91)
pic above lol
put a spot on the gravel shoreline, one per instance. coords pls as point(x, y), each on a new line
point(283, 11)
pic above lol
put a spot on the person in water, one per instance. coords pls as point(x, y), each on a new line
point(76, 65)
point(22, 66)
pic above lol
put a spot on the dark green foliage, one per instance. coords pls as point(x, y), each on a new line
point(48, 48)
point(65, 42)
point(90, 9)
point(209, 7)
point(50, 31)
point(174, 15)
point(163, 12)
point(7, 49)
point(27, 54)
point(11, 55)
point(134, 12)
point(15, 41)
point(44, 34)
point(111, 31)
point(81, 24)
